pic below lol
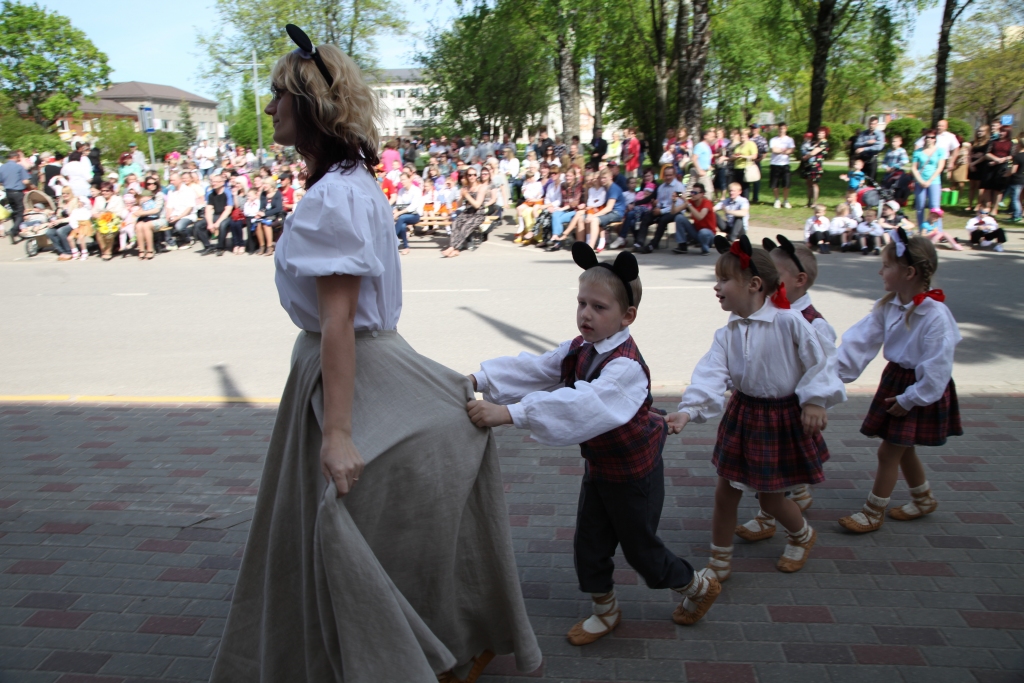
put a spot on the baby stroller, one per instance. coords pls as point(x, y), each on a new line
point(898, 185)
point(870, 194)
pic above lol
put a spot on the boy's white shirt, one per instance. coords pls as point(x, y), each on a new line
point(531, 387)
point(820, 325)
point(841, 224)
point(983, 223)
point(815, 224)
point(872, 228)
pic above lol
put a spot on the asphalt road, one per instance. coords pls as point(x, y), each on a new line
point(189, 326)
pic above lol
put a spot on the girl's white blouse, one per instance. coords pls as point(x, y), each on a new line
point(772, 354)
point(342, 226)
point(927, 347)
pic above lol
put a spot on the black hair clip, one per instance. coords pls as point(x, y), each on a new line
point(625, 266)
point(741, 249)
point(786, 246)
point(307, 50)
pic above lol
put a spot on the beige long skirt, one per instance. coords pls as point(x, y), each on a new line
point(409, 575)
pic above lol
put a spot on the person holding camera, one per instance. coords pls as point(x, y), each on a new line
point(667, 204)
point(697, 221)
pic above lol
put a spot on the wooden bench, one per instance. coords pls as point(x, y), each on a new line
point(430, 224)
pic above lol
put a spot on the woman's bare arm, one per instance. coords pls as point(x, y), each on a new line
point(337, 297)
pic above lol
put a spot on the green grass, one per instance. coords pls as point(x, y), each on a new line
point(833, 193)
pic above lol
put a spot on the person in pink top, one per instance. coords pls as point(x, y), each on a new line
point(632, 155)
point(390, 154)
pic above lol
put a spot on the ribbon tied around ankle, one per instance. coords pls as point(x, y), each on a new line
point(936, 294)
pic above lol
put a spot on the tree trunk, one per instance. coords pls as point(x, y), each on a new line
point(568, 82)
point(691, 77)
point(822, 36)
point(600, 93)
point(949, 16)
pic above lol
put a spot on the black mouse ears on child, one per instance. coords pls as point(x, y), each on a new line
point(625, 266)
point(788, 247)
point(740, 248)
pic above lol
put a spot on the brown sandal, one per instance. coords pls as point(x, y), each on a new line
point(764, 532)
point(788, 565)
point(875, 515)
point(684, 618)
point(925, 503)
point(580, 636)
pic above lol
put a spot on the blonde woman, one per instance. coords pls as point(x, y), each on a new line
point(379, 548)
point(80, 219)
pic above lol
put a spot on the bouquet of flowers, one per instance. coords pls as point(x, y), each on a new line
point(107, 223)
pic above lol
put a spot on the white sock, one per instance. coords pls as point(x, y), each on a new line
point(721, 560)
point(698, 588)
point(522, 224)
point(796, 552)
point(593, 624)
point(862, 516)
point(987, 243)
point(922, 493)
point(601, 243)
point(765, 520)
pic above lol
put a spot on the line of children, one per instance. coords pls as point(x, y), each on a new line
point(781, 363)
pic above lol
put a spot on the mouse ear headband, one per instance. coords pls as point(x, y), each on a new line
point(787, 247)
point(625, 266)
point(307, 50)
point(741, 249)
point(899, 239)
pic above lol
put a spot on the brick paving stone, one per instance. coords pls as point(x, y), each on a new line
point(117, 560)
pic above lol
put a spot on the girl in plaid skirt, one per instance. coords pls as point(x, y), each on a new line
point(915, 404)
point(783, 379)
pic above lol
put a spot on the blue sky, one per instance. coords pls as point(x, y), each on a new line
point(157, 47)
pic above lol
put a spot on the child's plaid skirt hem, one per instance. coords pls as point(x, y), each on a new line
point(924, 425)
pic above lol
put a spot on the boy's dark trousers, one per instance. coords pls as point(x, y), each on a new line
point(610, 514)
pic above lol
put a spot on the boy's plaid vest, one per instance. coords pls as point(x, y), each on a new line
point(811, 314)
point(629, 452)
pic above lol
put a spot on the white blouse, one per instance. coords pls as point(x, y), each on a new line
point(342, 226)
point(772, 354)
point(820, 325)
point(556, 415)
point(927, 346)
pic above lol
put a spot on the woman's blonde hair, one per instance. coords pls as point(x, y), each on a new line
point(336, 125)
point(922, 257)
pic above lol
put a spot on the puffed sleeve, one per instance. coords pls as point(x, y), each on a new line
point(330, 234)
point(822, 327)
point(861, 344)
point(935, 368)
point(820, 384)
point(704, 399)
point(605, 403)
point(508, 379)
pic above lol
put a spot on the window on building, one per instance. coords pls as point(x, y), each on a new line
point(398, 93)
point(435, 112)
point(400, 113)
point(168, 125)
point(62, 125)
point(418, 112)
point(415, 92)
point(86, 126)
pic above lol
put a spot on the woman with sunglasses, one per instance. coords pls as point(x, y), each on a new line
point(472, 198)
point(148, 214)
point(927, 166)
point(379, 549)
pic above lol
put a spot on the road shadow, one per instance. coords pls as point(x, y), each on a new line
point(534, 342)
point(228, 387)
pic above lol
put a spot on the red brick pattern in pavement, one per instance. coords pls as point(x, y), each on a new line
point(122, 529)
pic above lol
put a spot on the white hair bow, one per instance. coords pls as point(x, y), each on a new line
point(901, 248)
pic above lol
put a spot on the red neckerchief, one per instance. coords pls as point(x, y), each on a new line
point(779, 298)
point(936, 294)
point(736, 249)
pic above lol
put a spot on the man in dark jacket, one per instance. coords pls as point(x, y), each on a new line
point(867, 146)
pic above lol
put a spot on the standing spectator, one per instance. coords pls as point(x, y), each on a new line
point(180, 206)
point(976, 165)
point(703, 162)
point(961, 165)
point(782, 147)
point(868, 145)
point(78, 172)
point(52, 169)
point(390, 155)
point(997, 164)
point(667, 204)
point(614, 148)
point(598, 150)
point(205, 157)
point(944, 139)
point(138, 158)
point(927, 168)
point(812, 154)
point(632, 153)
point(127, 167)
point(14, 179)
point(762, 149)
point(742, 155)
point(543, 143)
point(696, 223)
point(1016, 180)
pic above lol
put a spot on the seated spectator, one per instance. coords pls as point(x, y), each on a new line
point(596, 196)
point(932, 229)
point(180, 205)
point(216, 214)
point(269, 218)
point(533, 195)
point(408, 210)
point(611, 212)
point(856, 210)
point(618, 177)
point(109, 208)
point(985, 232)
point(697, 222)
point(735, 212)
point(842, 228)
point(637, 210)
point(668, 202)
point(816, 228)
point(149, 217)
point(572, 202)
point(551, 203)
point(870, 235)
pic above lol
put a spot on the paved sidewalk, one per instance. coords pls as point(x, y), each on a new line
point(122, 526)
